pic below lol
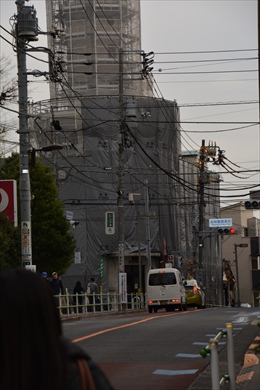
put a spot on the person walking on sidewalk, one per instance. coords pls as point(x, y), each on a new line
point(92, 290)
point(57, 288)
point(78, 299)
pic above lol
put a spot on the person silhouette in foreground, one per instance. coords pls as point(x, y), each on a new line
point(34, 354)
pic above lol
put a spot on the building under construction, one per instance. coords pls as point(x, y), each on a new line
point(122, 151)
point(86, 40)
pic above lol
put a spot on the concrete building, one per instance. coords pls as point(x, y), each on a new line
point(242, 252)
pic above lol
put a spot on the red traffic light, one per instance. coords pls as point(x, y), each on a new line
point(227, 231)
point(170, 258)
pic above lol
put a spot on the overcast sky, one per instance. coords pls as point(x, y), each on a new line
point(222, 35)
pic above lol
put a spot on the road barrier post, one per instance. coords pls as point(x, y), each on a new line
point(213, 344)
point(230, 356)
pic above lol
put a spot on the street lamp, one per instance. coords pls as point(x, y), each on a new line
point(238, 290)
point(48, 148)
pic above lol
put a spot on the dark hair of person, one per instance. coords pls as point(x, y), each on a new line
point(30, 330)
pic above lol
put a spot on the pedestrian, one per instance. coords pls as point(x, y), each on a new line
point(57, 288)
point(78, 300)
point(34, 354)
point(56, 284)
point(92, 290)
point(45, 276)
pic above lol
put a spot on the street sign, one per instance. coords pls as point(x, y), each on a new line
point(26, 247)
point(8, 199)
point(69, 215)
point(31, 267)
point(121, 259)
point(122, 288)
point(221, 222)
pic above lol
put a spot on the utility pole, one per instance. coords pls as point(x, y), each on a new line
point(202, 182)
point(26, 31)
point(258, 30)
point(148, 234)
point(122, 282)
point(139, 252)
point(120, 172)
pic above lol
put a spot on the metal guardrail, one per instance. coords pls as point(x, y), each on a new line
point(212, 349)
point(69, 305)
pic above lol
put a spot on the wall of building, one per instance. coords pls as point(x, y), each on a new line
point(230, 248)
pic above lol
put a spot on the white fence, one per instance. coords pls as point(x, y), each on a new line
point(82, 304)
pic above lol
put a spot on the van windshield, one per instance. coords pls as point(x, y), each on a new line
point(162, 279)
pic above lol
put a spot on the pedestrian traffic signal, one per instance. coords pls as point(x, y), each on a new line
point(252, 204)
point(227, 231)
point(110, 222)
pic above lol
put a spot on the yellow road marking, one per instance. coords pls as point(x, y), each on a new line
point(118, 327)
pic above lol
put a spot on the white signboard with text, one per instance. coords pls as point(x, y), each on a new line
point(221, 222)
point(122, 287)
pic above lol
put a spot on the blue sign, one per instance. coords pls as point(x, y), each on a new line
point(220, 222)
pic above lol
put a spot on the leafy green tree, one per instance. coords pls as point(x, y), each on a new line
point(10, 243)
point(53, 244)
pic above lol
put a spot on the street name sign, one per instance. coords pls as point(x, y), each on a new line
point(221, 222)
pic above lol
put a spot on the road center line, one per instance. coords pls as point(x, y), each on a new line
point(118, 327)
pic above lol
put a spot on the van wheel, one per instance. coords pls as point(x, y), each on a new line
point(150, 309)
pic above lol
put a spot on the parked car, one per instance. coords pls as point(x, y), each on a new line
point(194, 294)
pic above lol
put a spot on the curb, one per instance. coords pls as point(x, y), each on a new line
point(248, 377)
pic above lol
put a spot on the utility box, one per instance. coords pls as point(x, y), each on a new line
point(27, 24)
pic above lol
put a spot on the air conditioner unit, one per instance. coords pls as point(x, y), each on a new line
point(244, 232)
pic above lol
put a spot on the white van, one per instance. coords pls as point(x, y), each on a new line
point(165, 290)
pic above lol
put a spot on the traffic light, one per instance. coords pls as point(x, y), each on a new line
point(227, 231)
point(147, 62)
point(170, 258)
point(74, 223)
point(180, 262)
point(252, 204)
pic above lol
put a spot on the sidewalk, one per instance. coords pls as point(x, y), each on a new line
point(254, 382)
point(247, 365)
point(249, 376)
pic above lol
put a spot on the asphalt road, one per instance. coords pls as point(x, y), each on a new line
point(161, 350)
